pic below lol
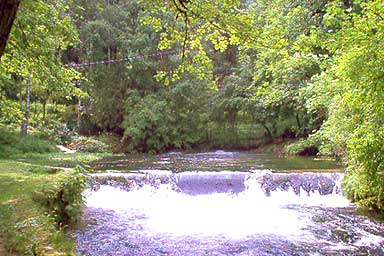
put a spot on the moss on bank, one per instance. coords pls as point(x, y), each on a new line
point(36, 203)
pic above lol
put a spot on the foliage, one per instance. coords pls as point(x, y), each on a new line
point(63, 198)
point(303, 148)
point(355, 109)
point(41, 32)
point(147, 125)
point(10, 112)
point(173, 117)
point(12, 143)
point(40, 29)
point(89, 144)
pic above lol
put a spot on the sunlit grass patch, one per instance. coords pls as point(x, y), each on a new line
point(60, 159)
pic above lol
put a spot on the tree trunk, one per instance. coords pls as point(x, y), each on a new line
point(267, 130)
point(109, 56)
point(44, 110)
point(24, 125)
point(298, 121)
point(79, 116)
point(8, 10)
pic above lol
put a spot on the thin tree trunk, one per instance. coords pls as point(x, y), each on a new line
point(91, 57)
point(8, 10)
point(44, 111)
point(109, 56)
point(79, 116)
point(267, 130)
point(24, 125)
point(298, 121)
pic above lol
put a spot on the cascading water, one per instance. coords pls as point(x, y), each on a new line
point(224, 213)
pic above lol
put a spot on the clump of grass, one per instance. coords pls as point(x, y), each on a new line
point(60, 159)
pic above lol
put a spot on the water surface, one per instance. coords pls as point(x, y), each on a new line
point(215, 161)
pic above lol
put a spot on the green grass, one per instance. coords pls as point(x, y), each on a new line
point(26, 227)
point(24, 222)
point(59, 159)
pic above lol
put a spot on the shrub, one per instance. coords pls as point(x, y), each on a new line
point(10, 112)
point(305, 147)
point(89, 144)
point(363, 182)
point(8, 137)
point(33, 144)
point(63, 198)
point(12, 143)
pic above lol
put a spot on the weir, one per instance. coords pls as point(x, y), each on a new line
point(195, 183)
point(258, 212)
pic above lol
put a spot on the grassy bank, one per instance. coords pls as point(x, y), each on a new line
point(59, 159)
point(38, 202)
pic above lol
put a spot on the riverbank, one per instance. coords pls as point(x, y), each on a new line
point(24, 223)
point(38, 201)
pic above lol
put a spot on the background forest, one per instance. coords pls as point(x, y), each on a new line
point(149, 76)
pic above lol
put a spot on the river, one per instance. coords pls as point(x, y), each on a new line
point(223, 203)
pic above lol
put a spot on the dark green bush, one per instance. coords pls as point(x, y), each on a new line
point(33, 144)
point(8, 137)
point(12, 143)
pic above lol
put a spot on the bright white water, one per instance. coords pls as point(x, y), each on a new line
point(164, 210)
point(224, 213)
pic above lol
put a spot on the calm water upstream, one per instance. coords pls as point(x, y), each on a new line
point(223, 203)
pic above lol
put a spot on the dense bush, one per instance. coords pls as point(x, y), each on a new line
point(13, 143)
point(10, 112)
point(354, 98)
point(364, 180)
point(8, 137)
point(63, 198)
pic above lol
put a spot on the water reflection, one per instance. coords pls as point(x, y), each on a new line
point(215, 161)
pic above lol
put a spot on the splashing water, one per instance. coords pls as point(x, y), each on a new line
point(224, 213)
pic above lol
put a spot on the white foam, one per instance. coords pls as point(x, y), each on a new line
point(369, 239)
point(236, 216)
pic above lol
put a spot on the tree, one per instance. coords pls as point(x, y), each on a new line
point(42, 31)
point(356, 80)
point(8, 10)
